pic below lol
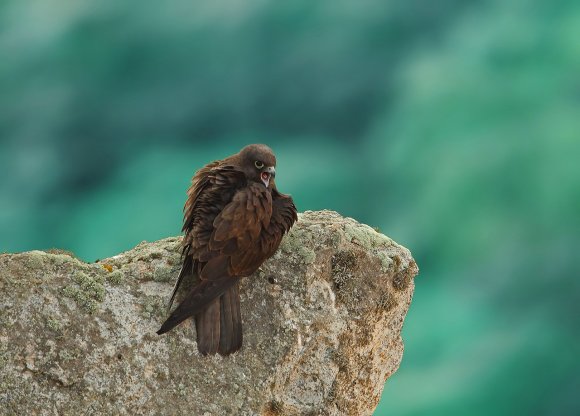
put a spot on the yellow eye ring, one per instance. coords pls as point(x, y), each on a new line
point(259, 164)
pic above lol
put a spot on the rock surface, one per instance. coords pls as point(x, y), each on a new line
point(322, 321)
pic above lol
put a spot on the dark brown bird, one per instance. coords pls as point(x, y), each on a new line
point(234, 219)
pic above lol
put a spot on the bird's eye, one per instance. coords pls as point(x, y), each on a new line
point(259, 164)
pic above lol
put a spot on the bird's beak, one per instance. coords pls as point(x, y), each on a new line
point(266, 174)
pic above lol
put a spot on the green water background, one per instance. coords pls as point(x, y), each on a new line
point(453, 126)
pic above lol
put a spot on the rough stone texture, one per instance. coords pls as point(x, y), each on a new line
point(322, 321)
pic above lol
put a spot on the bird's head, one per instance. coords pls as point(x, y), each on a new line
point(258, 163)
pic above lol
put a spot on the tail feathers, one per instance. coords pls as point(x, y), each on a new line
point(219, 327)
point(230, 321)
point(197, 301)
point(208, 329)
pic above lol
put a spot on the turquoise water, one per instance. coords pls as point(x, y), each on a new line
point(453, 127)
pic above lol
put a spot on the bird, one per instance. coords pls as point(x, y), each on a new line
point(234, 219)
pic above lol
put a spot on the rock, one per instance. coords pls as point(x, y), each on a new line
point(322, 330)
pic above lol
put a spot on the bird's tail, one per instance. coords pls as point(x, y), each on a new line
point(219, 326)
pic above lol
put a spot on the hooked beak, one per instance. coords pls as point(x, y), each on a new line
point(266, 174)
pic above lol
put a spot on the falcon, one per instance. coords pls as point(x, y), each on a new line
point(234, 219)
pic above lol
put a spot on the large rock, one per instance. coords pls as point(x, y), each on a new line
point(322, 330)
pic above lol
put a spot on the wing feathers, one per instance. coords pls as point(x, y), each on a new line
point(196, 301)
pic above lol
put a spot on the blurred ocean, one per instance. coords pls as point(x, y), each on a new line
point(453, 126)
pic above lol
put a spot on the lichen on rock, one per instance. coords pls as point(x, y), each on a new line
point(87, 291)
point(322, 321)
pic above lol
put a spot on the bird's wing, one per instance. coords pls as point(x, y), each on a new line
point(200, 181)
point(284, 215)
point(211, 188)
point(231, 251)
point(232, 248)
